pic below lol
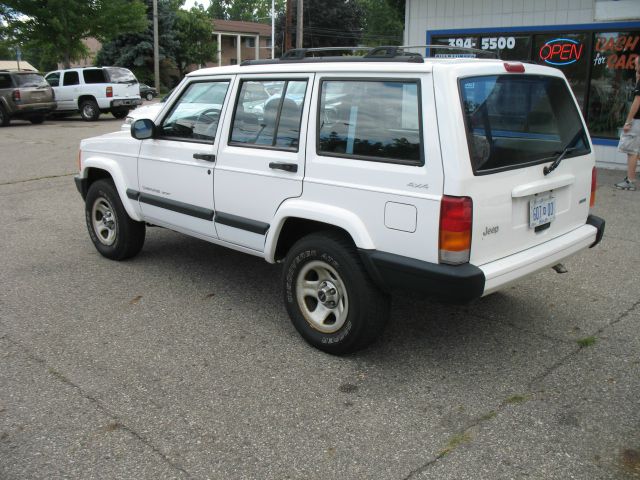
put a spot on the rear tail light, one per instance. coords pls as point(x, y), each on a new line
point(456, 220)
point(109, 92)
point(16, 96)
point(514, 67)
point(594, 182)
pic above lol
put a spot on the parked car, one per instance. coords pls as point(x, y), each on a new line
point(95, 90)
point(147, 92)
point(24, 95)
point(452, 177)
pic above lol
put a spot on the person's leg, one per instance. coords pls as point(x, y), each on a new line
point(632, 161)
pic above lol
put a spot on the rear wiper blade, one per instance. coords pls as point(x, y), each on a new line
point(547, 170)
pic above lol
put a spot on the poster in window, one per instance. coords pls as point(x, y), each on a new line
point(568, 52)
point(612, 81)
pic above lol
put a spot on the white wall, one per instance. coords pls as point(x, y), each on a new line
point(423, 15)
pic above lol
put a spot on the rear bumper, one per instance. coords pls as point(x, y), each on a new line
point(463, 283)
point(34, 109)
point(502, 272)
point(125, 102)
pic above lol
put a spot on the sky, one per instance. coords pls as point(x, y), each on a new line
point(189, 3)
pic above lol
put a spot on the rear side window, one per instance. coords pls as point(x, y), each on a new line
point(515, 121)
point(5, 80)
point(94, 75)
point(374, 120)
point(71, 78)
point(268, 114)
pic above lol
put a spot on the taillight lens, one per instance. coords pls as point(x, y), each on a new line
point(456, 220)
point(109, 92)
point(594, 177)
point(16, 96)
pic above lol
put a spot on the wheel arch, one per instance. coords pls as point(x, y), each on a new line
point(296, 219)
point(84, 97)
point(95, 169)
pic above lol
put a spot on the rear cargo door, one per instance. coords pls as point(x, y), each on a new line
point(517, 126)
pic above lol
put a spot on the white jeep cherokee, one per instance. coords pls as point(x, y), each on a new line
point(95, 90)
point(454, 177)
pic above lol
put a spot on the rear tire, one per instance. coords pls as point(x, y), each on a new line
point(330, 298)
point(120, 112)
point(37, 120)
point(89, 110)
point(4, 117)
point(114, 234)
point(149, 96)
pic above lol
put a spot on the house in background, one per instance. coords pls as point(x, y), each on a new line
point(238, 41)
point(12, 65)
point(93, 47)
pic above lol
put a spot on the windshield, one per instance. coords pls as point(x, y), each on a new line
point(31, 80)
point(120, 75)
point(515, 121)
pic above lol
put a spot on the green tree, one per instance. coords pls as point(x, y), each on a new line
point(135, 50)
point(384, 22)
point(57, 27)
point(194, 36)
point(244, 10)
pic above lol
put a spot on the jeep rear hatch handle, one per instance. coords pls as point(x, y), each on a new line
point(287, 167)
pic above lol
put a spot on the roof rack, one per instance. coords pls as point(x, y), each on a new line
point(390, 53)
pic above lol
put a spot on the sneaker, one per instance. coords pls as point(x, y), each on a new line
point(626, 184)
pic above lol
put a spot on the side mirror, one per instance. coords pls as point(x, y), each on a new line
point(143, 128)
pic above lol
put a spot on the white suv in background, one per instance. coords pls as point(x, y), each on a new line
point(453, 177)
point(95, 90)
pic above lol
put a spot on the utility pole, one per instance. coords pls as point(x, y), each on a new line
point(287, 28)
point(299, 22)
point(156, 48)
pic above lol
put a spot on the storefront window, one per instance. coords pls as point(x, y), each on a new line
point(568, 52)
point(612, 81)
point(508, 47)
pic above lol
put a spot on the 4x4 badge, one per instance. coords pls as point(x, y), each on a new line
point(418, 185)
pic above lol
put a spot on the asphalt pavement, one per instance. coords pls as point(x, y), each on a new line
point(182, 362)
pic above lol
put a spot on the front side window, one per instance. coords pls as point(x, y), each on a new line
point(53, 79)
point(196, 114)
point(269, 114)
point(373, 120)
point(71, 78)
point(518, 120)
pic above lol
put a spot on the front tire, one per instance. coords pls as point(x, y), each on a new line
point(89, 110)
point(330, 298)
point(114, 234)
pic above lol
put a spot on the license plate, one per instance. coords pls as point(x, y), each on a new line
point(541, 210)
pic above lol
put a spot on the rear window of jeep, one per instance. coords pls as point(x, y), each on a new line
point(514, 121)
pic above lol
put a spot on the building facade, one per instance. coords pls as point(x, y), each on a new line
point(594, 43)
point(238, 41)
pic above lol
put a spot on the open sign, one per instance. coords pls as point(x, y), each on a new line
point(561, 51)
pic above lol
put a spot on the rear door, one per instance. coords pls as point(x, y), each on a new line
point(124, 82)
point(33, 89)
point(515, 125)
point(261, 162)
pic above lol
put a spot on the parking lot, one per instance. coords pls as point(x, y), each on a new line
point(182, 362)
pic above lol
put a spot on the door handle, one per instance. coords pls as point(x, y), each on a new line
point(287, 167)
point(204, 156)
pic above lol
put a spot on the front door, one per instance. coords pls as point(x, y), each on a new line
point(261, 161)
point(176, 167)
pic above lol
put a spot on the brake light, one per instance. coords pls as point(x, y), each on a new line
point(456, 220)
point(16, 96)
point(594, 182)
point(514, 67)
point(109, 92)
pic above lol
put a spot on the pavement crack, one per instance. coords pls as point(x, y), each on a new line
point(98, 404)
point(46, 177)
